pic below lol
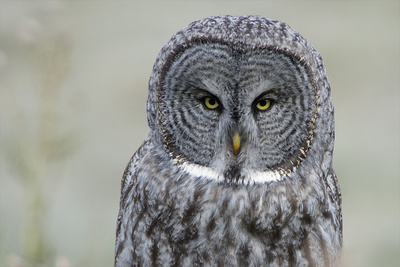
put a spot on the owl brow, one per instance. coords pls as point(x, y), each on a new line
point(270, 93)
point(201, 93)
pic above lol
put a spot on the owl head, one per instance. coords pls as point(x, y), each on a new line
point(241, 100)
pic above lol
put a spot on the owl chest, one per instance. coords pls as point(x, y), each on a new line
point(219, 221)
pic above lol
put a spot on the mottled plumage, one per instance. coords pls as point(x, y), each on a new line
point(237, 167)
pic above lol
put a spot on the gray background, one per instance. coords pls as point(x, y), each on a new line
point(97, 112)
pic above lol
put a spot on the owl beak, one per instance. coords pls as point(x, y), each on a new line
point(236, 143)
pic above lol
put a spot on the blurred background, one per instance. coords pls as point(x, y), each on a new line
point(73, 77)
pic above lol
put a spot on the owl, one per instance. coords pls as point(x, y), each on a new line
point(237, 166)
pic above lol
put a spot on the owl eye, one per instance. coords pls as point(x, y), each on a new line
point(210, 102)
point(263, 104)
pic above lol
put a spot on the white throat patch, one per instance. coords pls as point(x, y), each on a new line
point(250, 177)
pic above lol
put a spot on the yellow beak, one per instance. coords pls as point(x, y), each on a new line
point(236, 143)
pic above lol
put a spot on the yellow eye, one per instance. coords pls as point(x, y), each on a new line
point(263, 104)
point(210, 103)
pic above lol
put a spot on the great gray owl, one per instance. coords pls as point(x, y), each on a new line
point(237, 167)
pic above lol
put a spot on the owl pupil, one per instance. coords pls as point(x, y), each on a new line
point(263, 102)
point(211, 102)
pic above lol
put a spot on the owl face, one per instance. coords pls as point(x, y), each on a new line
point(236, 112)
